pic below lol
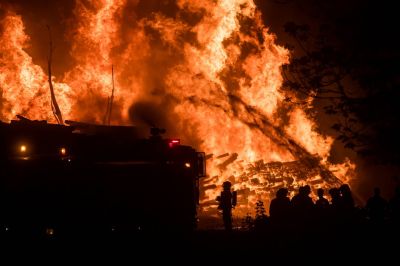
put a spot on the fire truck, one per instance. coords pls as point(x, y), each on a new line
point(93, 178)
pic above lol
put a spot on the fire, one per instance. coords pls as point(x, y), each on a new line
point(93, 38)
point(303, 131)
point(212, 65)
point(23, 85)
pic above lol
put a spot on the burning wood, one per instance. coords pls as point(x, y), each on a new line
point(228, 161)
point(265, 178)
point(209, 156)
point(222, 155)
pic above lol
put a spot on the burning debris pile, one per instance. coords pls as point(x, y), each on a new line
point(262, 179)
point(212, 68)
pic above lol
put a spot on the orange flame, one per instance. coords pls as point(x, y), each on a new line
point(23, 85)
point(213, 64)
point(94, 37)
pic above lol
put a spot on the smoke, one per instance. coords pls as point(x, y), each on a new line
point(148, 113)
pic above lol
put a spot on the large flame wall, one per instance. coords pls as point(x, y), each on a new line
point(208, 70)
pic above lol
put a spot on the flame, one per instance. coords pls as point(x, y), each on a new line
point(23, 85)
point(213, 65)
point(303, 131)
point(93, 39)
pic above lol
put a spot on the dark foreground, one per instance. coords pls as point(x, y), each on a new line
point(338, 244)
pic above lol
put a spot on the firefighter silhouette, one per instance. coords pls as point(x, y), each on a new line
point(227, 201)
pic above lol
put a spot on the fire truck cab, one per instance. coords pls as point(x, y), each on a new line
point(86, 177)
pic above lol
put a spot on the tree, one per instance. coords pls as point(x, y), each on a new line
point(261, 220)
point(248, 222)
point(347, 69)
point(54, 105)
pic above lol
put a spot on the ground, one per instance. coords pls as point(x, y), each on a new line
point(359, 243)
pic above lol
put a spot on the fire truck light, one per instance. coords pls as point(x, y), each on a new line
point(49, 231)
point(63, 151)
point(187, 165)
point(22, 148)
point(174, 142)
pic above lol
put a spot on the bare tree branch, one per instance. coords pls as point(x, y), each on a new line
point(54, 105)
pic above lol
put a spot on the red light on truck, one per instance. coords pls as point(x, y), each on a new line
point(174, 142)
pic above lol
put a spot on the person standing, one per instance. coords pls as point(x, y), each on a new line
point(227, 201)
point(376, 207)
